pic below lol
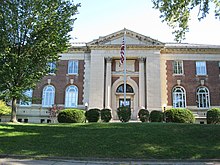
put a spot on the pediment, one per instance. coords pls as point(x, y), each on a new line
point(132, 38)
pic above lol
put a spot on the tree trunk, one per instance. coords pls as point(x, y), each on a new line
point(14, 110)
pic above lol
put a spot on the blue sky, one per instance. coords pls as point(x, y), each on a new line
point(102, 17)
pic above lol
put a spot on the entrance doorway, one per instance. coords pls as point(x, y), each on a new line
point(129, 97)
point(132, 94)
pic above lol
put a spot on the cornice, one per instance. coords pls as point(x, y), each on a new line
point(130, 47)
point(190, 51)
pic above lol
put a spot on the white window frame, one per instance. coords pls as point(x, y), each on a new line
point(179, 97)
point(48, 96)
point(52, 67)
point(178, 67)
point(203, 97)
point(29, 94)
point(73, 66)
point(201, 68)
point(71, 96)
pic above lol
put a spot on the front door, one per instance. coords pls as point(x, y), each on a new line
point(128, 102)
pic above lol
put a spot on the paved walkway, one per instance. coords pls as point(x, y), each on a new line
point(17, 161)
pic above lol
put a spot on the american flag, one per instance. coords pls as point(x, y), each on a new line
point(122, 52)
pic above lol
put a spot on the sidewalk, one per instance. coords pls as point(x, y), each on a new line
point(16, 161)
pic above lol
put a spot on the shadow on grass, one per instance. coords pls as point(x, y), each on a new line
point(112, 140)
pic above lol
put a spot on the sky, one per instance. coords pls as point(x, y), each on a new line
point(103, 17)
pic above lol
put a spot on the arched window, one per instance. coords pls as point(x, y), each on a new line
point(203, 100)
point(48, 96)
point(129, 89)
point(71, 96)
point(179, 97)
point(28, 94)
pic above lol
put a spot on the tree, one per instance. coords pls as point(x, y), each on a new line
point(4, 109)
point(32, 33)
point(177, 13)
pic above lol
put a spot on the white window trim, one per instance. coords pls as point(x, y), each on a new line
point(207, 100)
point(45, 102)
point(75, 70)
point(199, 68)
point(51, 64)
point(29, 94)
point(68, 99)
point(174, 97)
point(177, 67)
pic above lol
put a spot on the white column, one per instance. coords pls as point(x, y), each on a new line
point(108, 82)
point(153, 81)
point(96, 83)
point(141, 84)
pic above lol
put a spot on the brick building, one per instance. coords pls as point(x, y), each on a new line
point(159, 76)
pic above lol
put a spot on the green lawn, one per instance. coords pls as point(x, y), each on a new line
point(112, 140)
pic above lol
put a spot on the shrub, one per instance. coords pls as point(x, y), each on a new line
point(124, 113)
point(179, 115)
point(71, 116)
point(106, 115)
point(92, 115)
point(143, 115)
point(4, 109)
point(213, 116)
point(156, 116)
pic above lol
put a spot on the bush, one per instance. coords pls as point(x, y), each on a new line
point(179, 115)
point(124, 114)
point(106, 115)
point(71, 116)
point(156, 116)
point(213, 116)
point(143, 115)
point(4, 109)
point(92, 115)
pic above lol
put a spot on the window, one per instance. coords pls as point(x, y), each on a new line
point(48, 96)
point(201, 68)
point(28, 94)
point(203, 97)
point(71, 96)
point(177, 67)
point(129, 89)
point(52, 67)
point(72, 67)
point(179, 97)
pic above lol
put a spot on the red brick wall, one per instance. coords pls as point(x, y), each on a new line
point(60, 81)
point(190, 81)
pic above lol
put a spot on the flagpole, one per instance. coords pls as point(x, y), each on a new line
point(124, 67)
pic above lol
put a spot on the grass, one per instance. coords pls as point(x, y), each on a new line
point(112, 140)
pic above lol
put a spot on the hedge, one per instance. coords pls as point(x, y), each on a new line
point(179, 115)
point(156, 116)
point(143, 115)
point(213, 116)
point(93, 115)
point(124, 113)
point(71, 116)
point(106, 115)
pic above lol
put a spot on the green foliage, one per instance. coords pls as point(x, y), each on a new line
point(71, 116)
point(179, 115)
point(213, 116)
point(156, 116)
point(4, 109)
point(177, 13)
point(32, 34)
point(106, 115)
point(93, 115)
point(124, 113)
point(143, 115)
